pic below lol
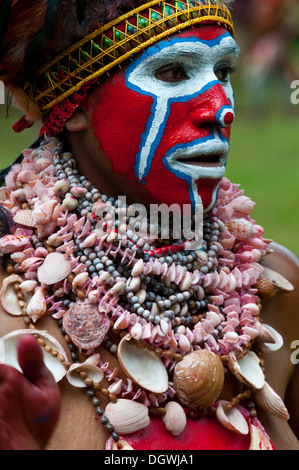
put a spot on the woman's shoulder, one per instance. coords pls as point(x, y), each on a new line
point(283, 261)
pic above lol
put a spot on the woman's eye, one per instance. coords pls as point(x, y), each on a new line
point(223, 71)
point(173, 73)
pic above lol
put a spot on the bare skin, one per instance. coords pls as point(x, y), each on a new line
point(78, 427)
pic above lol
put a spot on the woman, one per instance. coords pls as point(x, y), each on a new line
point(167, 337)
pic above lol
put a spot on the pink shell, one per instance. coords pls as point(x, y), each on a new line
point(12, 243)
point(85, 325)
point(24, 217)
point(44, 212)
point(241, 228)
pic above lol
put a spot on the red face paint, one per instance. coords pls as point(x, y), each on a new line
point(170, 137)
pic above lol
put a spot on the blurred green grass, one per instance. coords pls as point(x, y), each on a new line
point(264, 160)
point(12, 144)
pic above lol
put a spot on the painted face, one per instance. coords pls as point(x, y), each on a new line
point(164, 122)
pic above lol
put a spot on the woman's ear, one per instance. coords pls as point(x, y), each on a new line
point(77, 122)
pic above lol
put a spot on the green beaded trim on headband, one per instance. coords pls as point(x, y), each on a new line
point(117, 41)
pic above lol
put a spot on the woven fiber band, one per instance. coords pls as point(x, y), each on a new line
point(116, 42)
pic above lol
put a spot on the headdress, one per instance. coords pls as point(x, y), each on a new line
point(59, 85)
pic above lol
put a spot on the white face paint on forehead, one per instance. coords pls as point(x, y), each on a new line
point(199, 59)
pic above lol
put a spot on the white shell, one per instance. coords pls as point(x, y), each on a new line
point(280, 283)
point(134, 283)
point(24, 217)
point(70, 203)
point(136, 331)
point(186, 282)
point(8, 295)
point(103, 278)
point(90, 367)
point(18, 256)
point(264, 334)
point(141, 295)
point(277, 340)
point(37, 306)
point(259, 439)
point(28, 286)
point(62, 186)
point(80, 280)
point(252, 308)
point(233, 419)
point(127, 416)
point(269, 401)
point(112, 236)
point(116, 387)
point(142, 366)
point(8, 352)
point(175, 419)
point(117, 288)
point(247, 369)
point(138, 268)
point(252, 332)
point(54, 269)
point(90, 240)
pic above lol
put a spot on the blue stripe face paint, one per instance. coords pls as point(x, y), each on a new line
point(215, 101)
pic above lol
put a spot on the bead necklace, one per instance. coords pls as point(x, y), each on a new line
point(167, 303)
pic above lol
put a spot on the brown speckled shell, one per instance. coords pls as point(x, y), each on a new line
point(85, 325)
point(265, 288)
point(198, 379)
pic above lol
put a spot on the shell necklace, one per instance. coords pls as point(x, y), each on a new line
point(174, 310)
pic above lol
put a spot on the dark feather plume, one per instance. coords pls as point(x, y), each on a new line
point(43, 35)
point(6, 221)
point(118, 7)
point(81, 7)
point(5, 8)
point(50, 17)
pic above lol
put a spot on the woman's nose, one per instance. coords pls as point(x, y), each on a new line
point(212, 109)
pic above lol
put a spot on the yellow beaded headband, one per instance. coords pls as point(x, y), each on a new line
point(117, 41)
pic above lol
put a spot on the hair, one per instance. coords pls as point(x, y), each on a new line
point(39, 29)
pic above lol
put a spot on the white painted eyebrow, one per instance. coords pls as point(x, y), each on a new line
point(226, 47)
